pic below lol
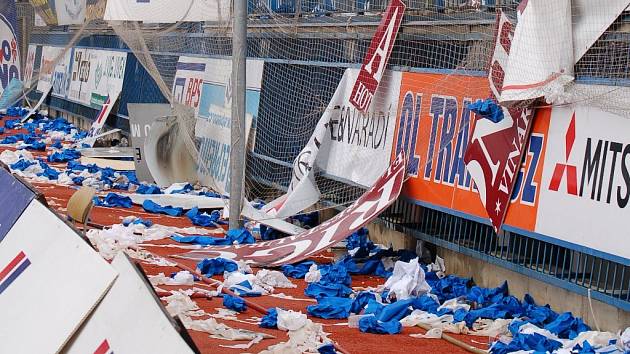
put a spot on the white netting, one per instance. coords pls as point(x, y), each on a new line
point(447, 44)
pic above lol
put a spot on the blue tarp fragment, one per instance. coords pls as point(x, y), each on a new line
point(330, 307)
point(148, 189)
point(185, 189)
point(320, 290)
point(22, 164)
point(361, 300)
point(566, 326)
point(298, 270)
point(113, 200)
point(526, 342)
point(270, 320)
point(488, 109)
point(369, 324)
point(327, 349)
point(203, 219)
point(153, 207)
point(213, 266)
point(234, 303)
point(64, 156)
point(144, 222)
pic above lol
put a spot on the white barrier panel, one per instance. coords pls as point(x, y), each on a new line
point(130, 319)
point(50, 280)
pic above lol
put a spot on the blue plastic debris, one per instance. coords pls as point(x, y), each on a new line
point(237, 236)
point(270, 320)
point(148, 189)
point(240, 236)
point(526, 342)
point(136, 221)
point(327, 349)
point(185, 189)
point(22, 164)
point(298, 270)
point(64, 156)
point(319, 290)
point(488, 109)
point(113, 200)
point(369, 324)
point(153, 207)
point(203, 219)
point(330, 308)
point(566, 326)
point(234, 303)
point(244, 288)
point(213, 266)
point(361, 300)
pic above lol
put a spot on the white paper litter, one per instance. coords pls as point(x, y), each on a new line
point(444, 322)
point(274, 279)
point(289, 320)
point(454, 304)
point(181, 278)
point(313, 275)
point(406, 281)
point(180, 303)
point(433, 333)
point(220, 330)
point(304, 340)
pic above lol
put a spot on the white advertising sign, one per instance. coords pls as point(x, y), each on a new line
point(214, 117)
point(61, 74)
point(30, 65)
point(51, 56)
point(163, 11)
point(586, 179)
point(50, 281)
point(130, 319)
point(96, 74)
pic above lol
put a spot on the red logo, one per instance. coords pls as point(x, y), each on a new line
point(561, 168)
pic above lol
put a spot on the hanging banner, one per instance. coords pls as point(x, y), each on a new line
point(60, 12)
point(29, 67)
point(95, 75)
point(495, 150)
point(376, 57)
point(51, 56)
point(61, 74)
point(42, 249)
point(299, 247)
point(213, 127)
point(163, 11)
point(586, 179)
point(189, 75)
point(101, 118)
point(131, 297)
point(9, 48)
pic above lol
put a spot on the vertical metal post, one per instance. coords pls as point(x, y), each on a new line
point(237, 155)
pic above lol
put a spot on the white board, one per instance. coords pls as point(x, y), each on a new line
point(130, 319)
point(163, 11)
point(61, 283)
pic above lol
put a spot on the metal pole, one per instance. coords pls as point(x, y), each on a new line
point(237, 155)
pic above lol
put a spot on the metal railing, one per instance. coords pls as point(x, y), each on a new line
point(572, 269)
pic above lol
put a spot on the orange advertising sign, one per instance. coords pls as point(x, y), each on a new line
point(433, 128)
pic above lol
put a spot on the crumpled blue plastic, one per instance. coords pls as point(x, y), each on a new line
point(370, 324)
point(567, 326)
point(49, 172)
point(78, 180)
point(526, 342)
point(270, 320)
point(396, 310)
point(244, 288)
point(507, 307)
point(57, 145)
point(38, 146)
point(234, 303)
point(538, 315)
point(361, 300)
point(308, 220)
point(336, 273)
point(428, 304)
point(449, 287)
point(148, 189)
point(330, 308)
point(213, 266)
point(298, 270)
point(240, 236)
point(269, 233)
point(373, 307)
point(11, 139)
point(16, 111)
point(64, 156)
point(202, 240)
point(327, 349)
point(210, 194)
point(152, 207)
point(203, 219)
point(185, 189)
point(22, 164)
point(484, 297)
point(144, 222)
point(488, 109)
point(11, 123)
point(77, 166)
point(359, 239)
point(319, 290)
point(113, 200)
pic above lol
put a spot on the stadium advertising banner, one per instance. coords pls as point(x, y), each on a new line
point(163, 11)
point(205, 84)
point(30, 64)
point(433, 128)
point(61, 12)
point(586, 179)
point(48, 65)
point(96, 75)
point(9, 49)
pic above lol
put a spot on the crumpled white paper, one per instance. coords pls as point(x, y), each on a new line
point(304, 340)
point(454, 304)
point(289, 320)
point(313, 275)
point(180, 303)
point(433, 333)
point(444, 322)
point(181, 278)
point(220, 330)
point(274, 279)
point(407, 280)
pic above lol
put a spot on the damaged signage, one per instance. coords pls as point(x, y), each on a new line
point(299, 247)
point(131, 297)
point(141, 116)
point(163, 11)
point(74, 283)
point(10, 50)
point(495, 151)
point(377, 56)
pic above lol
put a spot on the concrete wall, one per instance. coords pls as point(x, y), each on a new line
point(489, 275)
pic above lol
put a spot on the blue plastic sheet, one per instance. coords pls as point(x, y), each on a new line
point(488, 109)
point(359, 239)
point(535, 342)
point(234, 303)
point(76, 166)
point(361, 300)
point(396, 311)
point(78, 180)
point(336, 273)
point(370, 324)
point(136, 221)
point(270, 320)
point(320, 290)
point(11, 123)
point(49, 172)
point(483, 296)
point(566, 326)
point(153, 207)
point(203, 219)
point(298, 270)
point(330, 308)
point(202, 240)
point(113, 200)
point(327, 349)
point(22, 164)
point(38, 146)
point(213, 266)
point(240, 236)
point(148, 189)
point(64, 156)
point(373, 307)
point(185, 189)
point(269, 233)
point(244, 288)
